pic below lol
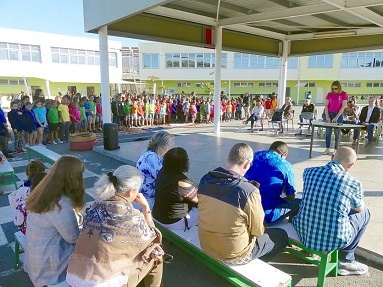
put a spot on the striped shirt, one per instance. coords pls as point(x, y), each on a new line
point(329, 193)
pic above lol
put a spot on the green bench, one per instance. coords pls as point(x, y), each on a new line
point(45, 154)
point(19, 247)
point(255, 273)
point(326, 261)
point(7, 169)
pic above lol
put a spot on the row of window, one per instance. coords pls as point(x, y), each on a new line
point(32, 53)
point(9, 82)
point(362, 60)
point(80, 57)
point(19, 52)
point(275, 85)
point(249, 61)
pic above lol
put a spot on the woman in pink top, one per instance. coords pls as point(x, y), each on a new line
point(335, 103)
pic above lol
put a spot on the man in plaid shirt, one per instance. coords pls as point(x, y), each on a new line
point(332, 214)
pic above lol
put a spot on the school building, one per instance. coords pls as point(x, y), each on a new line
point(58, 63)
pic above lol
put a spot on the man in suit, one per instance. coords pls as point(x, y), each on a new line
point(369, 117)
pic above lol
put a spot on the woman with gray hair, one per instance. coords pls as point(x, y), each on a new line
point(119, 244)
point(150, 162)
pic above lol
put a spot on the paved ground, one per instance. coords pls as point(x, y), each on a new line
point(208, 151)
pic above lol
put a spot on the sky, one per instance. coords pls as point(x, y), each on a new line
point(50, 16)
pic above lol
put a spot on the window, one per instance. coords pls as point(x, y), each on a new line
point(362, 60)
point(268, 84)
point(11, 82)
point(292, 63)
point(310, 85)
point(184, 85)
point(80, 57)
point(192, 60)
point(19, 52)
point(321, 61)
point(374, 85)
point(243, 85)
point(249, 61)
point(351, 85)
point(151, 61)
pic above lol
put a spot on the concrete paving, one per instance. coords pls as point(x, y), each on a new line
point(207, 151)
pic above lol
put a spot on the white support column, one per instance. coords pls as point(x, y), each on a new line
point(104, 70)
point(26, 86)
point(299, 81)
point(47, 86)
point(217, 78)
point(229, 90)
point(283, 73)
point(119, 87)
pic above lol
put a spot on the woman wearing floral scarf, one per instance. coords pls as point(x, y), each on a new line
point(119, 244)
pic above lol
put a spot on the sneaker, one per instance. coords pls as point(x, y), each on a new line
point(326, 151)
point(352, 268)
point(27, 145)
point(60, 142)
point(354, 143)
point(24, 150)
point(54, 142)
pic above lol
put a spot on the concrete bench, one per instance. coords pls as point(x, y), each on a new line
point(46, 154)
point(255, 273)
point(326, 261)
point(7, 169)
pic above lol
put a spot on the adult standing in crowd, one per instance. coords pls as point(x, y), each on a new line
point(150, 163)
point(230, 214)
point(332, 212)
point(276, 177)
point(335, 103)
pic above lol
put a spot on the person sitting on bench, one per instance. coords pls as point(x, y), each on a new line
point(332, 213)
point(230, 214)
point(276, 176)
point(175, 204)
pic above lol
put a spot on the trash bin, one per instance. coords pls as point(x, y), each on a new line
point(111, 136)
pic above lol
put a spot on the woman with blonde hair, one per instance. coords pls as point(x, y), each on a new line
point(52, 223)
point(119, 244)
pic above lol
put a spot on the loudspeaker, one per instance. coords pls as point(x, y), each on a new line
point(111, 136)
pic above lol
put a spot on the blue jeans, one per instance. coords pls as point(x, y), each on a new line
point(284, 209)
point(359, 221)
point(329, 131)
point(370, 132)
point(253, 118)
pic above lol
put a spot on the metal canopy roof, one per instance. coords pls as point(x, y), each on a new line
point(251, 26)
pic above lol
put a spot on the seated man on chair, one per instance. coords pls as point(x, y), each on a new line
point(369, 117)
point(276, 176)
point(230, 215)
point(256, 114)
point(332, 214)
point(307, 107)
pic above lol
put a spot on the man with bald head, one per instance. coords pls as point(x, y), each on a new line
point(332, 214)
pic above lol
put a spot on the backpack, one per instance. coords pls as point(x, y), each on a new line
point(277, 116)
point(17, 201)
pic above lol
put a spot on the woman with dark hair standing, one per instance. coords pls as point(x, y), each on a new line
point(335, 103)
point(150, 162)
point(176, 195)
point(52, 223)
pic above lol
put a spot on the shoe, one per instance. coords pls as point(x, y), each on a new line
point(27, 145)
point(252, 130)
point(54, 142)
point(326, 151)
point(24, 150)
point(60, 142)
point(352, 268)
point(21, 151)
point(354, 143)
point(245, 122)
point(10, 156)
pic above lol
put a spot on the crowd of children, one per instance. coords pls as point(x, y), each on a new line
point(48, 121)
point(147, 110)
